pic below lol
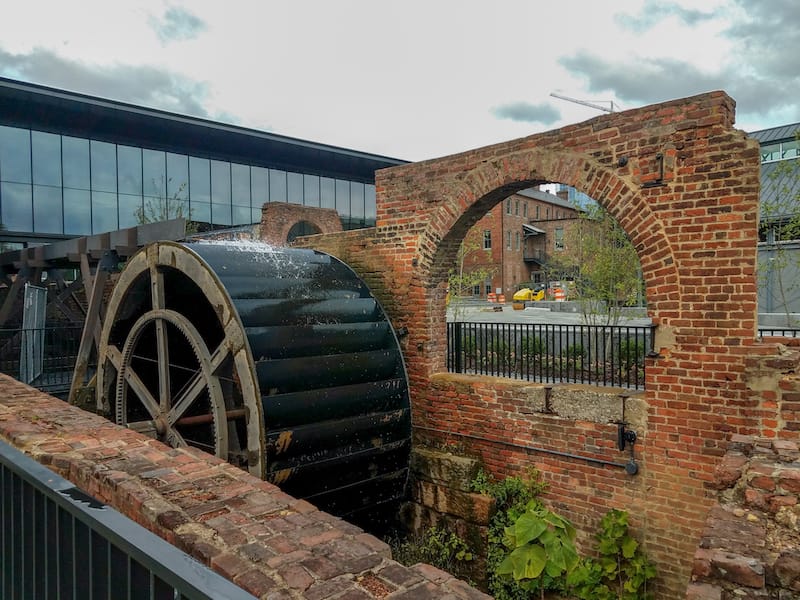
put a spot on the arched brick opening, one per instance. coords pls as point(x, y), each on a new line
point(281, 223)
point(684, 184)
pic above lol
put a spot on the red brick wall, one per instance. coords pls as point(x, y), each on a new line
point(695, 230)
point(278, 218)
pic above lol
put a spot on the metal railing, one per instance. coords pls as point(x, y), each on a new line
point(56, 542)
point(593, 354)
point(779, 332)
point(42, 357)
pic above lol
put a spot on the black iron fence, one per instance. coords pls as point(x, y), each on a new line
point(57, 542)
point(779, 332)
point(593, 354)
point(43, 358)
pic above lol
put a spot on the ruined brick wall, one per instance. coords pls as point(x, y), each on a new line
point(278, 218)
point(684, 184)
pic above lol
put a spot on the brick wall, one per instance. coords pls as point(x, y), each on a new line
point(250, 532)
point(684, 184)
point(278, 218)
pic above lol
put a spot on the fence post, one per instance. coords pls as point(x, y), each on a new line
point(458, 359)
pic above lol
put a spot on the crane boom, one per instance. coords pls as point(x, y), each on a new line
point(585, 103)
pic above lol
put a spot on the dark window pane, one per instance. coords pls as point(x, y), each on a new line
point(310, 190)
point(357, 203)
point(259, 177)
point(104, 166)
point(241, 215)
point(327, 192)
point(129, 166)
point(15, 154)
point(277, 185)
point(75, 157)
point(17, 213)
point(178, 177)
point(199, 182)
point(343, 201)
point(104, 212)
point(240, 184)
point(220, 214)
point(154, 175)
point(130, 211)
point(46, 154)
point(369, 205)
point(77, 212)
point(220, 184)
point(294, 188)
point(47, 209)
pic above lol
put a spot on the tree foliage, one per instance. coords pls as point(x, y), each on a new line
point(166, 207)
point(603, 264)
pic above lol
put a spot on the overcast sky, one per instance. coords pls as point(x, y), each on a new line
point(414, 79)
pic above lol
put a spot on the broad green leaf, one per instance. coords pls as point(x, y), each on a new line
point(527, 528)
point(629, 546)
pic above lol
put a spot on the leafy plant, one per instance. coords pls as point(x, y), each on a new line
point(511, 496)
point(542, 549)
point(621, 570)
point(436, 546)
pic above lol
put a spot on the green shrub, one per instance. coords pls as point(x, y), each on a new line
point(436, 546)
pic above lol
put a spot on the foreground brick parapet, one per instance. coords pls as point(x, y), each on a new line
point(751, 544)
point(248, 530)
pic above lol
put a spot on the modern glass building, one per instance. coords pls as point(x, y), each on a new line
point(73, 165)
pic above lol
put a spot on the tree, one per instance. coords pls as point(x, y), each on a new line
point(603, 264)
point(780, 231)
point(463, 276)
point(166, 207)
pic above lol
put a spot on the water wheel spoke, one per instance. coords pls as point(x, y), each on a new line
point(142, 393)
point(187, 397)
point(175, 439)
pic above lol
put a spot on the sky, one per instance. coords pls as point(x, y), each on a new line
point(416, 79)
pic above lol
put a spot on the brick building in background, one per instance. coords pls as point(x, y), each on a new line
point(515, 239)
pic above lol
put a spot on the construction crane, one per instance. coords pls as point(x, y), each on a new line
point(609, 109)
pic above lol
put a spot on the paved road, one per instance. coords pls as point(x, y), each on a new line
point(560, 313)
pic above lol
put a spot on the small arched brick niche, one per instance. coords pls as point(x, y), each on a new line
point(282, 223)
point(684, 184)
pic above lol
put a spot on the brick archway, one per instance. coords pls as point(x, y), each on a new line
point(684, 184)
point(279, 218)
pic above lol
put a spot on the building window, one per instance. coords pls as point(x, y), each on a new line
point(476, 290)
point(538, 214)
point(516, 207)
point(487, 240)
point(488, 287)
point(508, 240)
point(547, 214)
point(559, 238)
point(525, 209)
point(508, 206)
point(516, 239)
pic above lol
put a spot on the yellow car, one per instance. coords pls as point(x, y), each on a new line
point(527, 294)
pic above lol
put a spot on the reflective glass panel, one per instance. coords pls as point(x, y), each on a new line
point(255, 215)
point(129, 167)
point(357, 204)
point(104, 166)
point(241, 215)
point(199, 184)
point(259, 178)
point(47, 209)
point(178, 177)
point(75, 160)
point(343, 201)
point(294, 188)
point(15, 154)
point(104, 212)
point(369, 205)
point(310, 190)
point(240, 185)
point(201, 212)
point(17, 209)
point(221, 184)
point(220, 214)
point(327, 192)
point(154, 174)
point(277, 185)
point(77, 212)
point(46, 153)
point(130, 211)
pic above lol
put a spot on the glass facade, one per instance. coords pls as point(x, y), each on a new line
point(57, 184)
